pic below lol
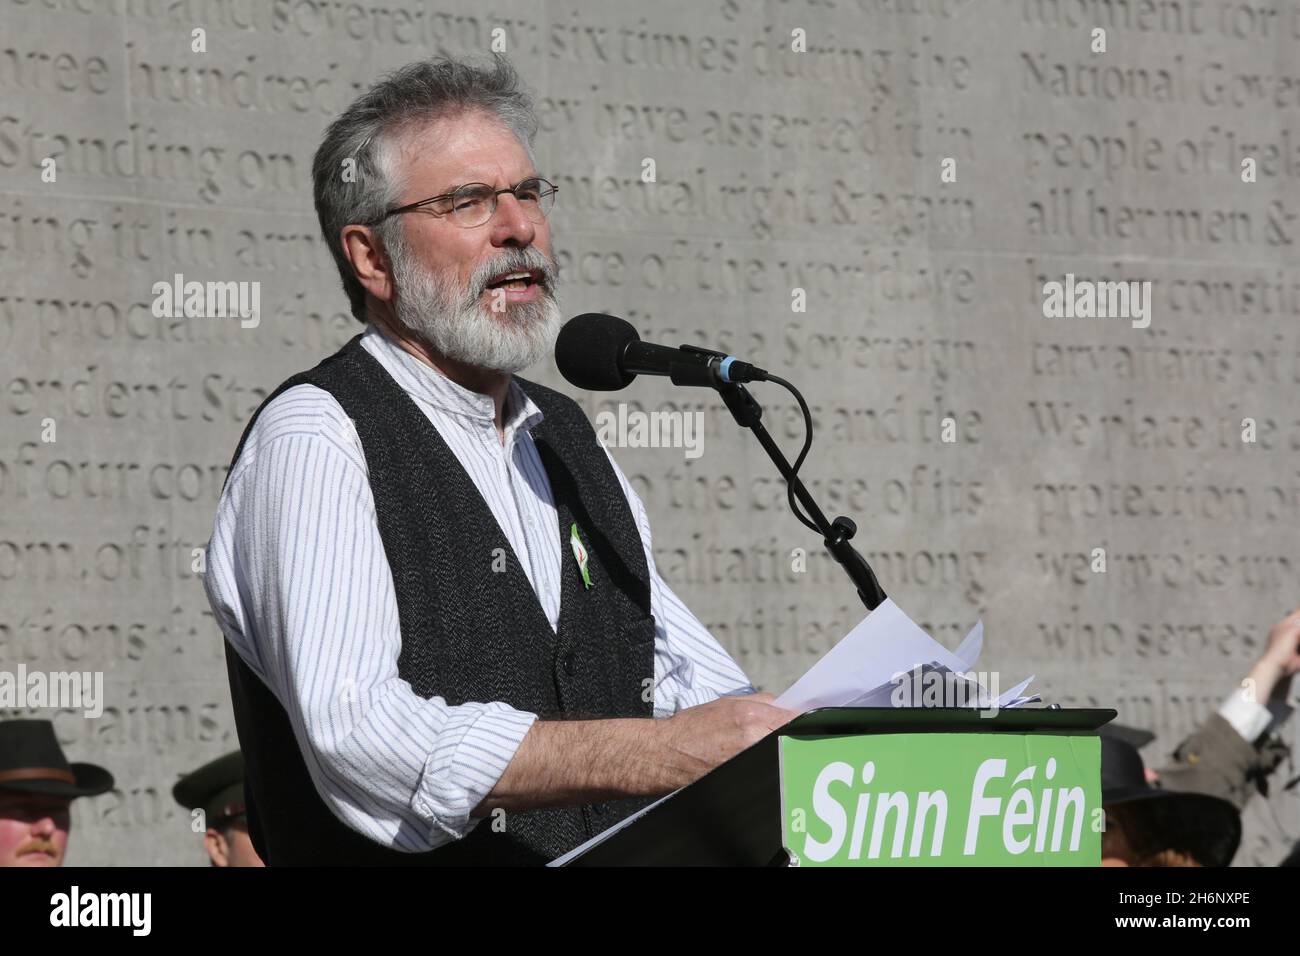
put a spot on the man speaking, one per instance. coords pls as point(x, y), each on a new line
point(436, 587)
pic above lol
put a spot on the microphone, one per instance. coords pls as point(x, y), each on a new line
point(603, 353)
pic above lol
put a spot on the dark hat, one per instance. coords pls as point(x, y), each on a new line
point(217, 787)
point(1207, 827)
point(1134, 736)
point(32, 761)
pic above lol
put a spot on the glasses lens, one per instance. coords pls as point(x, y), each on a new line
point(536, 196)
point(471, 205)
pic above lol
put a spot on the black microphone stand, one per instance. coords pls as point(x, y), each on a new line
point(836, 534)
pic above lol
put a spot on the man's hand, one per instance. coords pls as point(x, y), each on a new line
point(1281, 658)
point(568, 762)
point(697, 739)
point(1284, 644)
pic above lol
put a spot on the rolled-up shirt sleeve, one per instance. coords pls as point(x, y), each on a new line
point(299, 582)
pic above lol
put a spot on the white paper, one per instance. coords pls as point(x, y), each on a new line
point(864, 668)
point(862, 671)
point(604, 835)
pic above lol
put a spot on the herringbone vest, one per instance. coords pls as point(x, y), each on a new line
point(469, 633)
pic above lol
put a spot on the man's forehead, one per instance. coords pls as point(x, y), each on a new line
point(469, 149)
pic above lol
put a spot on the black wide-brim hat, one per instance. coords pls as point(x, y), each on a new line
point(217, 787)
point(31, 761)
point(1208, 827)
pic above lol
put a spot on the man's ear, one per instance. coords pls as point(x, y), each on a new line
point(214, 841)
point(370, 262)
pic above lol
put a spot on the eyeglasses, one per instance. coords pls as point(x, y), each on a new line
point(475, 203)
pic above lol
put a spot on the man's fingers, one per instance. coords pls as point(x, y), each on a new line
point(777, 716)
point(785, 716)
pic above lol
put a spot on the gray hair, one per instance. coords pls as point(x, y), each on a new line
point(368, 132)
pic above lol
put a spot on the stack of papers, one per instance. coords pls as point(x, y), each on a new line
point(888, 661)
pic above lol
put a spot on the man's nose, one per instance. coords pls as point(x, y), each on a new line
point(510, 224)
point(45, 827)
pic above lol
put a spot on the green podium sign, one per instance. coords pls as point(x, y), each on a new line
point(846, 786)
point(942, 799)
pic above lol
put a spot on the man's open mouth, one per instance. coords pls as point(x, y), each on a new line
point(517, 281)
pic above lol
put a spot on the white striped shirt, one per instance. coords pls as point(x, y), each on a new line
point(300, 585)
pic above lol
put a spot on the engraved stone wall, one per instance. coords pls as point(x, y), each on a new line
point(867, 196)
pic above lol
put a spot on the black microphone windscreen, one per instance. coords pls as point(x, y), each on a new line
point(588, 349)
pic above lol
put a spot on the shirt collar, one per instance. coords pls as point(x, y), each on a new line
point(426, 383)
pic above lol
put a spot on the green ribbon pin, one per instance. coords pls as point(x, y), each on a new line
point(579, 553)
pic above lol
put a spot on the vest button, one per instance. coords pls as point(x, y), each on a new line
point(568, 665)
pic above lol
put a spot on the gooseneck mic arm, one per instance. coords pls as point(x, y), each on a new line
point(605, 353)
point(836, 535)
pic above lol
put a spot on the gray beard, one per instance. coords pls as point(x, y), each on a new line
point(454, 322)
